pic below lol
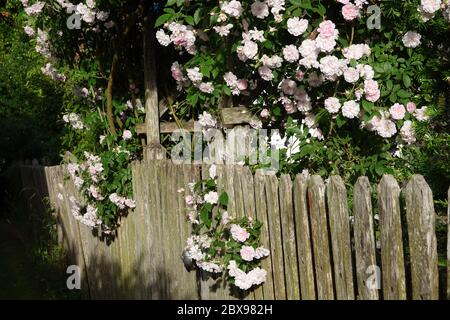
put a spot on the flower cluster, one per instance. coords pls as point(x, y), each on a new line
point(88, 177)
point(74, 120)
point(182, 37)
point(286, 63)
point(428, 9)
point(219, 241)
point(87, 11)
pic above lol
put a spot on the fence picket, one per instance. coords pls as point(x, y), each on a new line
point(303, 235)
point(340, 235)
point(422, 239)
point(392, 261)
point(319, 231)
point(365, 253)
point(262, 215)
point(289, 243)
point(275, 234)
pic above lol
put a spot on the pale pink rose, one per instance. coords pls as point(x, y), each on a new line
point(350, 11)
point(265, 113)
point(247, 253)
point(177, 74)
point(260, 9)
point(242, 84)
point(288, 86)
point(327, 28)
point(127, 135)
point(266, 73)
point(238, 233)
point(291, 53)
point(411, 107)
point(189, 200)
point(397, 111)
point(371, 90)
point(300, 75)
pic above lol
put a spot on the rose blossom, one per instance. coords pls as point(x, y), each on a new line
point(327, 28)
point(177, 74)
point(260, 9)
point(411, 39)
point(211, 197)
point(350, 12)
point(430, 6)
point(247, 253)
point(371, 90)
point(288, 86)
point(265, 113)
point(242, 84)
point(291, 53)
point(127, 135)
point(420, 114)
point(407, 132)
point(194, 74)
point(351, 75)
point(265, 73)
point(350, 109)
point(411, 107)
point(332, 105)
point(238, 233)
point(232, 8)
point(297, 26)
point(206, 87)
point(397, 111)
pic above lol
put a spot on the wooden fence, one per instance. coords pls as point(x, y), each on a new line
point(317, 250)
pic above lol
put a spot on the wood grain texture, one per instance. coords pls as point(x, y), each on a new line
point(422, 239)
point(306, 241)
point(275, 234)
point(288, 237)
point(365, 254)
point(321, 246)
point(340, 234)
point(303, 238)
point(262, 215)
point(392, 260)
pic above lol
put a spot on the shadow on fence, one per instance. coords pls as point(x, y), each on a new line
point(317, 250)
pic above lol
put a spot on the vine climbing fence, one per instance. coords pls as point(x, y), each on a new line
point(386, 249)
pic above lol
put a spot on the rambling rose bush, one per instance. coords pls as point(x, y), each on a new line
point(314, 69)
point(222, 244)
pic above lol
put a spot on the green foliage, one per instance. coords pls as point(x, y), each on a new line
point(29, 102)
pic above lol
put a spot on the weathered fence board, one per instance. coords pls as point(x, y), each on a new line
point(305, 225)
point(340, 235)
point(276, 245)
point(422, 239)
point(289, 243)
point(394, 285)
point(262, 215)
point(319, 230)
point(365, 254)
point(303, 235)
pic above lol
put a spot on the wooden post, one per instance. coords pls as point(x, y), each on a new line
point(154, 149)
point(303, 234)
point(364, 238)
point(289, 241)
point(320, 240)
point(422, 239)
point(394, 284)
point(340, 235)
